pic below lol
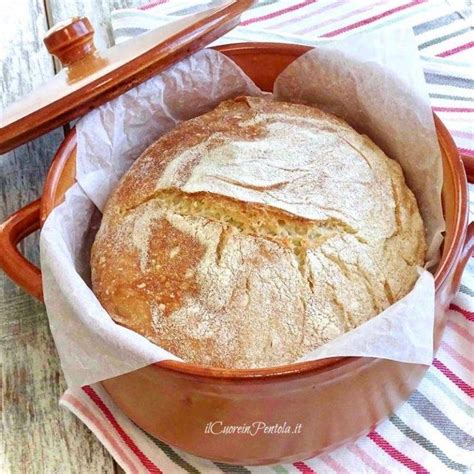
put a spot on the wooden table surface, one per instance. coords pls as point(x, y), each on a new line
point(36, 436)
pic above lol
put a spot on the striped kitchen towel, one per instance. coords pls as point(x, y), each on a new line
point(433, 432)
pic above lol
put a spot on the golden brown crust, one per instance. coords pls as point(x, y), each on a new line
point(253, 234)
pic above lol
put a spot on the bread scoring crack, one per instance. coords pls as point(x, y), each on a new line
point(298, 234)
point(352, 271)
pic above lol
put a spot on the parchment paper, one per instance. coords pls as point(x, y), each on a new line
point(373, 81)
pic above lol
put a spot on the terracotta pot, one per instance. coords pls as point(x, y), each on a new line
point(335, 400)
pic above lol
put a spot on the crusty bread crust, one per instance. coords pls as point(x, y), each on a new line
point(251, 235)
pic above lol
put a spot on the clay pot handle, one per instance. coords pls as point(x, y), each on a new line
point(468, 247)
point(71, 40)
point(18, 226)
point(466, 254)
point(469, 167)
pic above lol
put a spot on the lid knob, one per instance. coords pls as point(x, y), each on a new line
point(71, 40)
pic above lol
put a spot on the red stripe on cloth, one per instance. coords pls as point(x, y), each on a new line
point(469, 315)
point(94, 421)
point(153, 4)
point(372, 18)
point(269, 16)
point(452, 109)
point(396, 454)
point(458, 49)
point(467, 389)
point(144, 459)
point(304, 468)
point(466, 151)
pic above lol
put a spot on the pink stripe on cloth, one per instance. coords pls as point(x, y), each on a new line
point(153, 4)
point(367, 21)
point(102, 430)
point(318, 11)
point(466, 151)
point(367, 459)
point(462, 134)
point(396, 454)
point(316, 26)
point(108, 414)
point(453, 109)
point(458, 49)
point(467, 389)
point(274, 14)
point(333, 464)
point(469, 315)
point(466, 363)
point(460, 330)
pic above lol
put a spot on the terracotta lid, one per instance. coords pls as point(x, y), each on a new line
point(90, 77)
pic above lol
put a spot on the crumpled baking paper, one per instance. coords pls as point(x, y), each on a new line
point(373, 80)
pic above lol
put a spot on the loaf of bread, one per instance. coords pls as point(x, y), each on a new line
point(255, 233)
